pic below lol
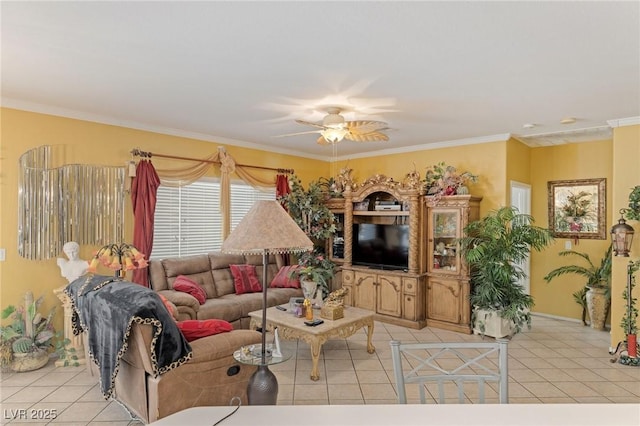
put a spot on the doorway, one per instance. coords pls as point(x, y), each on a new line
point(521, 199)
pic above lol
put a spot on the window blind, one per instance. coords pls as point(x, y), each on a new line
point(188, 220)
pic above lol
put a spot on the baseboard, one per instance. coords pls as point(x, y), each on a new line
point(541, 314)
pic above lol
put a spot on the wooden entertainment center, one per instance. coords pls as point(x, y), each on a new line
point(433, 287)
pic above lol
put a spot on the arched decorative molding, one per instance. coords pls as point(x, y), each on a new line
point(60, 203)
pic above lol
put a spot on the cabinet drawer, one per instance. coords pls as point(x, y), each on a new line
point(410, 285)
point(348, 277)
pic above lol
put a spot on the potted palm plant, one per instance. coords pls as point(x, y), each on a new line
point(494, 247)
point(597, 288)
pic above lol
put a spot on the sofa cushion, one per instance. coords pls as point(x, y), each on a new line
point(247, 302)
point(195, 329)
point(273, 265)
point(283, 278)
point(187, 285)
point(219, 266)
point(222, 308)
point(245, 279)
point(197, 268)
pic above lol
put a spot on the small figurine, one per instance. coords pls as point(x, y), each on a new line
point(336, 298)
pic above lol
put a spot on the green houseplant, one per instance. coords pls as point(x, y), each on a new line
point(629, 322)
point(595, 296)
point(25, 340)
point(494, 247)
point(633, 212)
point(308, 209)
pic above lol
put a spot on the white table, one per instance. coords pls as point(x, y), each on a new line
point(412, 414)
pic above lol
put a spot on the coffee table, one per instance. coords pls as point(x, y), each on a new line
point(291, 327)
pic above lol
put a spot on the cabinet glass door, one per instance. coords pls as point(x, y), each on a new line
point(445, 230)
point(336, 244)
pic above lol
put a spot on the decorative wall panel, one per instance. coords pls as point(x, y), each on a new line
point(72, 202)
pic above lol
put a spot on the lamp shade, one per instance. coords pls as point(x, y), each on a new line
point(267, 228)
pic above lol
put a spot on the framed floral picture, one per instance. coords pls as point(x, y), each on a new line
point(577, 208)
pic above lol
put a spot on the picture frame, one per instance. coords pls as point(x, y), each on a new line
point(577, 208)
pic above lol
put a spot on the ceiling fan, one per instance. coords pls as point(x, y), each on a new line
point(334, 128)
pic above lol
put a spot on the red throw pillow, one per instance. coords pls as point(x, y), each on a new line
point(170, 306)
point(245, 279)
point(187, 285)
point(283, 278)
point(195, 329)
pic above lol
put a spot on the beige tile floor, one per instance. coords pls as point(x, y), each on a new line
point(556, 362)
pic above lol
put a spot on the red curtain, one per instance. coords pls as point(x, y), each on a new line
point(282, 186)
point(144, 190)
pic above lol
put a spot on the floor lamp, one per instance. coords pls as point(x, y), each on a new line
point(266, 230)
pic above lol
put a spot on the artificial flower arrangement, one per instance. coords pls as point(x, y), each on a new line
point(441, 179)
point(314, 266)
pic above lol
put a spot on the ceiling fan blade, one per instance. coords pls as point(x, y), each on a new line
point(364, 126)
point(367, 137)
point(296, 134)
point(309, 123)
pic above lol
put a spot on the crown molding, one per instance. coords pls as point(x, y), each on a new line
point(502, 137)
point(622, 122)
point(567, 136)
point(111, 121)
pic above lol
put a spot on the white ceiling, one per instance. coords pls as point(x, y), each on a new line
point(440, 73)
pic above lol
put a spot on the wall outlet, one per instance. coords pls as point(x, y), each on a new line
point(2, 254)
point(567, 245)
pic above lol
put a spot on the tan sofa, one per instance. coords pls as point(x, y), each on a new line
point(211, 271)
point(210, 377)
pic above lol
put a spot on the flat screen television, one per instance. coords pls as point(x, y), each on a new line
point(381, 246)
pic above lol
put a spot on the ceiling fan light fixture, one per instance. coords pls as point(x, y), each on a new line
point(334, 134)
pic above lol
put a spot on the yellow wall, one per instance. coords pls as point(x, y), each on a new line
point(496, 163)
point(626, 175)
point(518, 165)
point(563, 162)
point(91, 143)
point(487, 160)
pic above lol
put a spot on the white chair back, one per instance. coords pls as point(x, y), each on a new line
point(433, 365)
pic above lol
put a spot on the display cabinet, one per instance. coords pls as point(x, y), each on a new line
point(383, 264)
point(448, 281)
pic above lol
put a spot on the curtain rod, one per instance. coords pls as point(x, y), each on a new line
point(147, 154)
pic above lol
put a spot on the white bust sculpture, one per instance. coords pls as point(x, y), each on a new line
point(74, 267)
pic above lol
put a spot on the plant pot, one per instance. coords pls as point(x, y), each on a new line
point(632, 345)
point(490, 323)
point(29, 361)
point(597, 305)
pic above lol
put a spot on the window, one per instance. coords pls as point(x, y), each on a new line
point(188, 220)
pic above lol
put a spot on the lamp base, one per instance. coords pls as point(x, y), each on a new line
point(263, 387)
